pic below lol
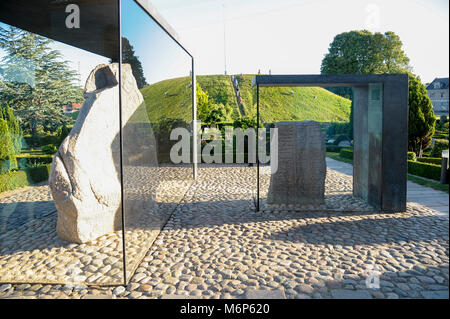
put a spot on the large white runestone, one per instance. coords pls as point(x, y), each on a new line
point(85, 175)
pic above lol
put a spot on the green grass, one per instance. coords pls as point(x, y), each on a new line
point(428, 183)
point(220, 91)
point(176, 104)
point(276, 104)
point(306, 103)
point(412, 178)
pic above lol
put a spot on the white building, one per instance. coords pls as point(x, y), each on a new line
point(437, 91)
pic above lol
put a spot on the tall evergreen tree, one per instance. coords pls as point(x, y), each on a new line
point(35, 81)
point(15, 132)
point(421, 117)
point(128, 56)
point(7, 158)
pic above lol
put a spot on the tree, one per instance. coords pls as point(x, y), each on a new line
point(35, 81)
point(364, 52)
point(128, 56)
point(218, 113)
point(7, 158)
point(421, 117)
point(204, 105)
point(15, 132)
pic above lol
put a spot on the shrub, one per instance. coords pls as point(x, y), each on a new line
point(439, 146)
point(61, 133)
point(49, 149)
point(338, 128)
point(16, 179)
point(346, 153)
point(341, 138)
point(26, 160)
point(430, 160)
point(333, 148)
point(245, 122)
point(412, 156)
point(426, 170)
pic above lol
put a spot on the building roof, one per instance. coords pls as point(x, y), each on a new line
point(438, 84)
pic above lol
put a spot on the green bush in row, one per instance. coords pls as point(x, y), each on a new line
point(25, 161)
point(430, 160)
point(426, 170)
point(15, 179)
point(346, 153)
point(412, 156)
point(333, 148)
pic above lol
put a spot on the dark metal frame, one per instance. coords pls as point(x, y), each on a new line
point(37, 16)
point(386, 184)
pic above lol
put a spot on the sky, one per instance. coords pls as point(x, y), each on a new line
point(283, 36)
point(292, 36)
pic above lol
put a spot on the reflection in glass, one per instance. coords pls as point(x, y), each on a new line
point(322, 124)
point(157, 98)
point(41, 101)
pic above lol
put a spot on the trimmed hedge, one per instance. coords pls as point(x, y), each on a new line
point(346, 153)
point(426, 170)
point(412, 156)
point(430, 160)
point(25, 160)
point(15, 179)
point(333, 148)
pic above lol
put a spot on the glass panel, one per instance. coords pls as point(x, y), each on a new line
point(68, 232)
point(156, 101)
point(312, 127)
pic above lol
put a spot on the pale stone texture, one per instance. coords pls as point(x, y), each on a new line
point(84, 178)
point(300, 177)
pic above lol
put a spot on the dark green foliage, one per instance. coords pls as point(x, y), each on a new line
point(430, 160)
point(128, 56)
point(13, 127)
point(29, 176)
point(7, 152)
point(35, 81)
point(338, 128)
point(412, 156)
point(421, 117)
point(49, 149)
point(426, 170)
point(346, 153)
point(341, 138)
point(333, 148)
point(24, 161)
point(62, 133)
point(245, 122)
point(439, 146)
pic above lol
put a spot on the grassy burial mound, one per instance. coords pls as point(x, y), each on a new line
point(172, 99)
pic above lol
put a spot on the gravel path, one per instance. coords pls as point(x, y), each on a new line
point(216, 246)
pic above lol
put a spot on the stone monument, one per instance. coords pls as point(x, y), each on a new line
point(300, 177)
point(85, 173)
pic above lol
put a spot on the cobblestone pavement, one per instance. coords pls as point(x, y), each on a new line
point(216, 246)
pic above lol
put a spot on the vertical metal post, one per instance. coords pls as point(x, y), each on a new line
point(121, 144)
point(194, 123)
point(257, 147)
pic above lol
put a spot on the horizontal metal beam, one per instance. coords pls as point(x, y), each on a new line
point(324, 80)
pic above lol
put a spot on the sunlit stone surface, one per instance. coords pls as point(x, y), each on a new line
point(84, 179)
point(300, 177)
